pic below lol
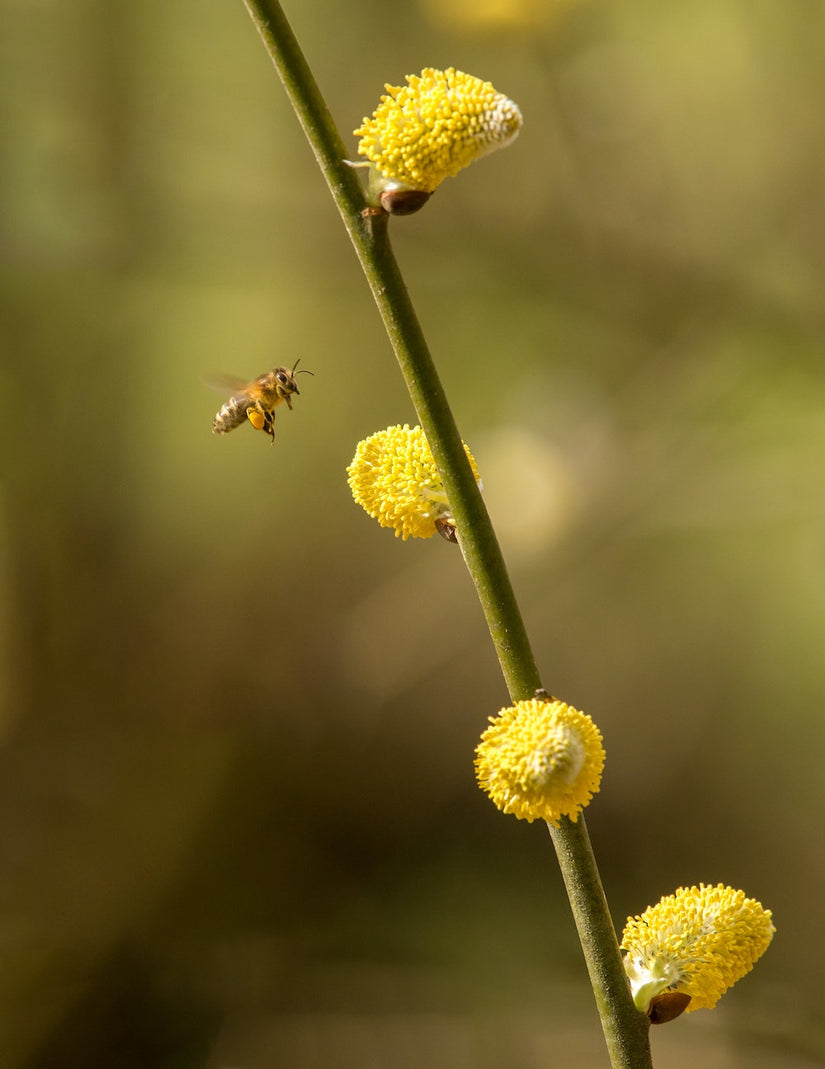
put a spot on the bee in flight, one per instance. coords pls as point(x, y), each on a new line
point(256, 401)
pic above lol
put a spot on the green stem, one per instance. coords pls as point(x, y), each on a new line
point(477, 539)
point(624, 1027)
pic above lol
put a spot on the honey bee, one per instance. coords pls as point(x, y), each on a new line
point(256, 401)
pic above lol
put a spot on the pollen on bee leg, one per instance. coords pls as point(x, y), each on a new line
point(256, 418)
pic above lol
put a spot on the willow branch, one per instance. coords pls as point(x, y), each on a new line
point(624, 1027)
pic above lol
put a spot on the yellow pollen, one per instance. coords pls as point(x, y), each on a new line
point(438, 123)
point(540, 760)
point(698, 941)
point(393, 477)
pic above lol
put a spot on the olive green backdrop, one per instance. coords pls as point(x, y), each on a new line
point(238, 820)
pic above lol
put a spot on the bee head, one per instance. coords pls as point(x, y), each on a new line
point(287, 378)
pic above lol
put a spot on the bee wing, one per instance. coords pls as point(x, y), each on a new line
point(226, 383)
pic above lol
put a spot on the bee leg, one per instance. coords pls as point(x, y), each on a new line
point(262, 420)
point(269, 425)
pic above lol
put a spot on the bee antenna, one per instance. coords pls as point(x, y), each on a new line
point(303, 370)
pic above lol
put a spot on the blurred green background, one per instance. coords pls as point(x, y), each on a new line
point(238, 820)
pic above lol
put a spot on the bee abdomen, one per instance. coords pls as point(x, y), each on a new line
point(231, 415)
